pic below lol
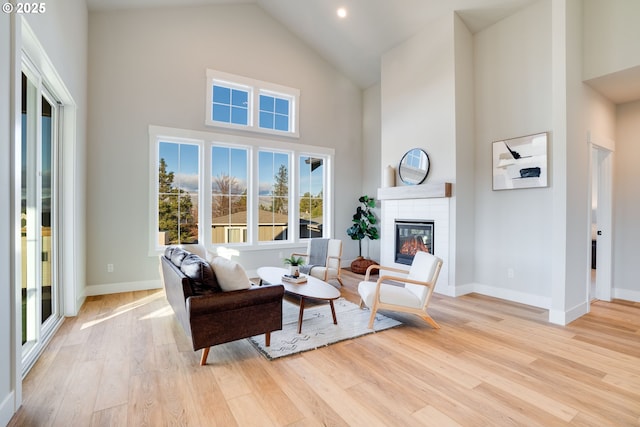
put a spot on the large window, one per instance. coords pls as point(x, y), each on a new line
point(273, 190)
point(253, 192)
point(311, 200)
point(229, 180)
point(178, 193)
point(242, 103)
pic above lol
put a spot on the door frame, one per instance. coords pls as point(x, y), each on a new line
point(601, 151)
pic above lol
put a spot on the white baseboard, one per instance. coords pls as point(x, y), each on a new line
point(626, 294)
point(7, 408)
point(563, 318)
point(511, 295)
point(114, 288)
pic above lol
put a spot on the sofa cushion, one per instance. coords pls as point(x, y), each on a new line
point(201, 276)
point(230, 275)
point(168, 251)
point(177, 256)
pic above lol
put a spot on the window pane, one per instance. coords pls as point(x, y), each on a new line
point(266, 103)
point(266, 120)
point(178, 191)
point(221, 113)
point(281, 123)
point(229, 194)
point(240, 98)
point(239, 116)
point(273, 176)
point(311, 196)
point(282, 106)
point(221, 95)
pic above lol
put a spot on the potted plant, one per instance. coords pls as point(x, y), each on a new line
point(363, 226)
point(294, 264)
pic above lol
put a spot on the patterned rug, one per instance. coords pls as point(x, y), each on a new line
point(318, 329)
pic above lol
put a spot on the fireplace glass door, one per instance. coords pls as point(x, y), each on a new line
point(411, 237)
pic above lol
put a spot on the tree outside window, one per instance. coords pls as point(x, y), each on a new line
point(177, 194)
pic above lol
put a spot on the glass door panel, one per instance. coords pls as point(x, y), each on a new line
point(46, 199)
point(38, 165)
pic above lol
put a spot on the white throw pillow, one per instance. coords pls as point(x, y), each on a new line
point(231, 276)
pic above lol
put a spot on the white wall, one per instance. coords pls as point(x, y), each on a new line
point(7, 294)
point(513, 89)
point(463, 204)
point(611, 36)
point(626, 251)
point(148, 67)
point(417, 95)
point(372, 162)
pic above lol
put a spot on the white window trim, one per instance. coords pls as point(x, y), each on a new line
point(255, 88)
point(205, 140)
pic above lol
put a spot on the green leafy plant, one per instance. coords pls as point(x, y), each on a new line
point(294, 261)
point(364, 222)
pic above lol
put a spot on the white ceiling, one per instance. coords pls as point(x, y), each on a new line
point(356, 43)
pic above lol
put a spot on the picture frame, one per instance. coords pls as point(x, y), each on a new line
point(520, 162)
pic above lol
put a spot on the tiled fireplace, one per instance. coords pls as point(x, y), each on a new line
point(425, 209)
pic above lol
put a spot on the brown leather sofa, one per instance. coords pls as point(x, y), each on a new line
point(210, 316)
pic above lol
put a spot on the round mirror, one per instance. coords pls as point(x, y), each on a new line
point(414, 166)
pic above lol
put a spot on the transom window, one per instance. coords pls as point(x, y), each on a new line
point(274, 113)
point(243, 103)
point(230, 105)
point(220, 189)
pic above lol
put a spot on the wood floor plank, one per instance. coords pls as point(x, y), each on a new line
point(125, 360)
point(76, 407)
point(110, 417)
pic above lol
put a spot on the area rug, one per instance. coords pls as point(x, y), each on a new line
point(318, 329)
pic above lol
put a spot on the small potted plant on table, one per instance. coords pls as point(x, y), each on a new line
point(294, 264)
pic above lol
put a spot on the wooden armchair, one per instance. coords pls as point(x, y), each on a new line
point(413, 298)
point(323, 259)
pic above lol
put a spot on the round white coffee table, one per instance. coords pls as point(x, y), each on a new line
point(311, 289)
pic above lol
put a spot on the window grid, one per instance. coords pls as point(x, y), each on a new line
point(243, 103)
point(274, 113)
point(193, 182)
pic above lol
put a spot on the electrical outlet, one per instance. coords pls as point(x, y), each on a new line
point(510, 273)
point(109, 268)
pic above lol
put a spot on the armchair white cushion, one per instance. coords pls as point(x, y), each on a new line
point(419, 283)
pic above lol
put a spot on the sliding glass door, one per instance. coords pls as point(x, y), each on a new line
point(38, 215)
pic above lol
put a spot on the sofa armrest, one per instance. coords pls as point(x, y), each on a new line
point(228, 316)
point(233, 300)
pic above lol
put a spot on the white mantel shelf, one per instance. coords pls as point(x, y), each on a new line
point(422, 191)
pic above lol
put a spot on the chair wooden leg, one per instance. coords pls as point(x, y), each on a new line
point(361, 303)
point(205, 354)
point(339, 280)
point(267, 339)
point(372, 318)
point(430, 321)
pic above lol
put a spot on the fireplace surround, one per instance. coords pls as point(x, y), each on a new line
point(428, 202)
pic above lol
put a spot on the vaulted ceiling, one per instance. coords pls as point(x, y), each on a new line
point(354, 44)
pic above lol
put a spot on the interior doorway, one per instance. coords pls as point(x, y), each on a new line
point(599, 280)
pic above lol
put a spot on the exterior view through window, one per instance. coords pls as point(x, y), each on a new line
point(178, 193)
point(217, 189)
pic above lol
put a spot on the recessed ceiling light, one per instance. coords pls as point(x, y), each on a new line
point(342, 12)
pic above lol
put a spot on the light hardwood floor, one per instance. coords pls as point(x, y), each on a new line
point(125, 361)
